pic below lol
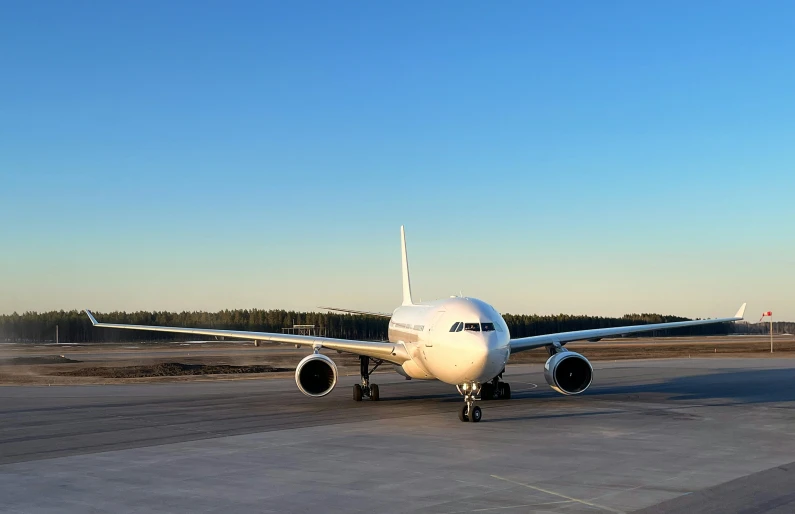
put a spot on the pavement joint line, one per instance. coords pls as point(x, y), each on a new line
point(506, 507)
point(570, 498)
point(624, 491)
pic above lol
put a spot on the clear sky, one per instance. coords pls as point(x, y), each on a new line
point(579, 157)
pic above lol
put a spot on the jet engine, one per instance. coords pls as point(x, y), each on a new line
point(316, 375)
point(568, 373)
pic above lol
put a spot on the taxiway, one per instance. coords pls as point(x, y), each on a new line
point(675, 435)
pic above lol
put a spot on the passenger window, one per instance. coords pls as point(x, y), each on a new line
point(474, 327)
point(454, 328)
point(487, 327)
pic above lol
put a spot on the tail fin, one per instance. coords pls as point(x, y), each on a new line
point(406, 279)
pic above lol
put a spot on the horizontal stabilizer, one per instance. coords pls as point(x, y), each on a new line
point(362, 313)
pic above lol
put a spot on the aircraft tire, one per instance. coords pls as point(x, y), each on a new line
point(374, 392)
point(475, 414)
point(462, 413)
point(357, 393)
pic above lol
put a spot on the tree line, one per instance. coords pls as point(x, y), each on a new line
point(75, 327)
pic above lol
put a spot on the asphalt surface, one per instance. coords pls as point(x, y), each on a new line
point(700, 435)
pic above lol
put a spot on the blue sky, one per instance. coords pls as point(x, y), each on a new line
point(579, 157)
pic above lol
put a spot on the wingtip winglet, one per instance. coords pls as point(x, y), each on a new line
point(741, 312)
point(91, 317)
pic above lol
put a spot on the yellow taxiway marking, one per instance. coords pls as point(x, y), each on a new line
point(553, 493)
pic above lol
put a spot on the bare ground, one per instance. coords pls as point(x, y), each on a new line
point(141, 362)
point(166, 369)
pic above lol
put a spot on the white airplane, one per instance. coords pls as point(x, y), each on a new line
point(460, 341)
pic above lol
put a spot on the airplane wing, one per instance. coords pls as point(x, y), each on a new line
point(391, 352)
point(351, 311)
point(529, 343)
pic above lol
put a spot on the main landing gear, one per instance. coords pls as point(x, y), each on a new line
point(366, 389)
point(495, 390)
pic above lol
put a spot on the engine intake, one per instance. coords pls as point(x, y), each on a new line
point(316, 375)
point(568, 373)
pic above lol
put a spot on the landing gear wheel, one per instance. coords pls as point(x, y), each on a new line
point(462, 414)
point(474, 414)
point(357, 393)
point(506, 391)
point(374, 392)
point(486, 392)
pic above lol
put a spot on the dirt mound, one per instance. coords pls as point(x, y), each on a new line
point(44, 359)
point(168, 369)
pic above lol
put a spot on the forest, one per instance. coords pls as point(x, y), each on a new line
point(75, 327)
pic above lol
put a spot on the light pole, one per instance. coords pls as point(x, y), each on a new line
point(769, 314)
point(771, 332)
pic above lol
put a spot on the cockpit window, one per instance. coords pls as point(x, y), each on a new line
point(460, 326)
point(454, 328)
point(474, 327)
point(487, 327)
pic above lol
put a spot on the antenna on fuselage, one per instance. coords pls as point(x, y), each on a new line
point(406, 278)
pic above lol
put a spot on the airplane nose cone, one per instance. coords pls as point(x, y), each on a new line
point(480, 353)
point(478, 358)
point(474, 352)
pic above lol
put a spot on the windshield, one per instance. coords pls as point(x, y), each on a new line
point(474, 327)
point(487, 327)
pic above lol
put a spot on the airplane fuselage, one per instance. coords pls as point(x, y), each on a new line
point(456, 340)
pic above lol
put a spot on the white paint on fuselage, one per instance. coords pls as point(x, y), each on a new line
point(452, 357)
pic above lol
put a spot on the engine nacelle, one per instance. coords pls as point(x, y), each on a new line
point(316, 375)
point(568, 373)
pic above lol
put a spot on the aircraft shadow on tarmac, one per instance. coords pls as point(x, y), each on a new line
point(745, 386)
point(719, 389)
point(553, 416)
point(733, 387)
point(724, 387)
point(443, 397)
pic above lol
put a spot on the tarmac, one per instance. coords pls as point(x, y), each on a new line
point(665, 436)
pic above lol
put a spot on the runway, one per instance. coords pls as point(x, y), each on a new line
point(677, 435)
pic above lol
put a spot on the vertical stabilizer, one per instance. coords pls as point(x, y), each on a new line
point(406, 279)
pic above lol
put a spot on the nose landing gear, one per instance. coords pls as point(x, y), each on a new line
point(469, 411)
point(366, 389)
